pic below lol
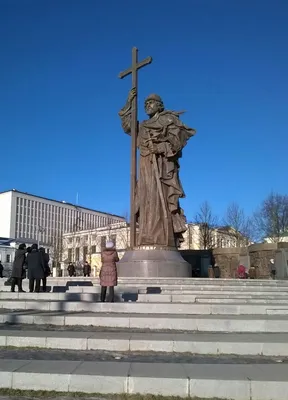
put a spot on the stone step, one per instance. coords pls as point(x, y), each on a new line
point(168, 281)
point(165, 322)
point(227, 381)
point(253, 344)
point(151, 298)
point(191, 282)
point(153, 308)
point(183, 290)
point(239, 300)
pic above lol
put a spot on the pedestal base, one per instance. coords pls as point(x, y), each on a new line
point(153, 263)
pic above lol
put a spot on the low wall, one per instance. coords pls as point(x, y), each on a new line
point(257, 255)
point(227, 260)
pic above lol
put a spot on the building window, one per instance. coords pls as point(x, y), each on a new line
point(69, 254)
point(103, 242)
point(77, 254)
point(93, 249)
point(8, 258)
point(85, 252)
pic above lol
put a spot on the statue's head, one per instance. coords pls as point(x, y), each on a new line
point(153, 105)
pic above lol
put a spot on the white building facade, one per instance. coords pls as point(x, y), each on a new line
point(29, 217)
point(86, 245)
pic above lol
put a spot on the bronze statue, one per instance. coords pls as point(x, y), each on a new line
point(160, 141)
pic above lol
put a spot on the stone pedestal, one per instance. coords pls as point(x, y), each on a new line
point(153, 263)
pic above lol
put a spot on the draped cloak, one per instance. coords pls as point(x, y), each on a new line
point(160, 219)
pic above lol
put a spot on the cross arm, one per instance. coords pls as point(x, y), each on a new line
point(139, 65)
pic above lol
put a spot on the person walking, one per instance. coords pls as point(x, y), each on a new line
point(86, 269)
point(108, 272)
point(18, 271)
point(71, 270)
point(1, 270)
point(47, 271)
point(36, 269)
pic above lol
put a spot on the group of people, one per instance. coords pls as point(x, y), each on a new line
point(34, 261)
point(72, 270)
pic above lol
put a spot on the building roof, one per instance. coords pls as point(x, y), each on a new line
point(62, 202)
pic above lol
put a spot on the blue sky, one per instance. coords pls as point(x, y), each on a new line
point(224, 61)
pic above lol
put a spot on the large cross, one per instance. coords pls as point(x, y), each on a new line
point(134, 131)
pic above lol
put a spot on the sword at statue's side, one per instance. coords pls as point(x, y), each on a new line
point(134, 131)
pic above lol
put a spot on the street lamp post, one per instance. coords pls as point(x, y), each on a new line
point(40, 230)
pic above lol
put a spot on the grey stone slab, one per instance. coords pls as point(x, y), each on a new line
point(195, 347)
point(276, 311)
point(26, 341)
point(108, 321)
point(149, 322)
point(270, 325)
point(269, 390)
point(66, 343)
point(231, 325)
point(15, 318)
point(97, 377)
point(269, 372)
point(102, 369)
point(40, 381)
point(12, 305)
point(50, 367)
point(12, 365)
point(243, 300)
point(158, 379)
point(275, 349)
point(6, 380)
point(209, 388)
point(152, 342)
point(37, 305)
point(159, 298)
point(239, 348)
point(48, 319)
point(3, 339)
point(111, 342)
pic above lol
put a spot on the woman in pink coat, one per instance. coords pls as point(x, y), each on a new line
point(108, 272)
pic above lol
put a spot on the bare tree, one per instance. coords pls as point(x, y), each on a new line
point(56, 253)
point(241, 225)
point(207, 223)
point(271, 220)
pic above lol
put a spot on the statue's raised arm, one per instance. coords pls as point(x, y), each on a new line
point(126, 112)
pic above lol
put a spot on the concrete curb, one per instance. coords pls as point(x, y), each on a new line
point(237, 382)
point(144, 308)
point(189, 323)
point(204, 344)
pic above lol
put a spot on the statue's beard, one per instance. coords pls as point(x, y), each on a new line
point(151, 112)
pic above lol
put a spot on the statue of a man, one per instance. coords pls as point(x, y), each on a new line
point(160, 141)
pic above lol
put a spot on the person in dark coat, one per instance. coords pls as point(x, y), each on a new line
point(47, 271)
point(71, 270)
point(86, 269)
point(18, 270)
point(108, 272)
point(36, 268)
point(1, 270)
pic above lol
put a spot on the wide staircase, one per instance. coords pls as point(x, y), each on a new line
point(202, 338)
